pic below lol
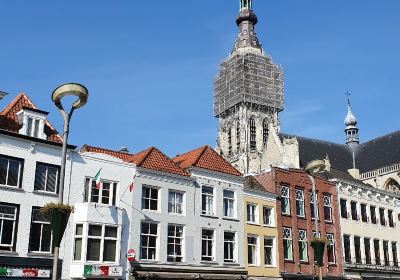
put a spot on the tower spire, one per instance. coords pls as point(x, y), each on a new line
point(352, 138)
point(246, 22)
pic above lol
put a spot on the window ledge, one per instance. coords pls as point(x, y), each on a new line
point(231, 264)
point(269, 226)
point(209, 216)
point(33, 254)
point(11, 188)
point(45, 193)
point(209, 262)
point(270, 266)
point(8, 253)
point(302, 217)
point(231, 219)
point(253, 224)
point(253, 265)
point(289, 261)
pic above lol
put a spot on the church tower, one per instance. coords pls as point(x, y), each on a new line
point(352, 138)
point(248, 95)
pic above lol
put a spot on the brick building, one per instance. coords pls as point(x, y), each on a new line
point(296, 226)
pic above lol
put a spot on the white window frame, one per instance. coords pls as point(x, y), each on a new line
point(300, 201)
point(285, 195)
point(328, 204)
point(173, 204)
point(151, 188)
point(181, 243)
point(303, 239)
point(232, 243)
point(331, 242)
point(9, 217)
point(273, 250)
point(149, 235)
point(42, 223)
point(21, 163)
point(252, 213)
point(312, 203)
point(82, 238)
point(256, 248)
point(207, 239)
point(90, 185)
point(288, 236)
point(57, 183)
point(229, 201)
point(208, 197)
point(271, 216)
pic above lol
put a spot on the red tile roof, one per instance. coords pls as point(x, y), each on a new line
point(91, 149)
point(154, 159)
point(207, 158)
point(9, 119)
point(151, 158)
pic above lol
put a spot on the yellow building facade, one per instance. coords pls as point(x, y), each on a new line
point(261, 234)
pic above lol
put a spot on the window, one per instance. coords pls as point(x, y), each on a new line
point(347, 248)
point(253, 143)
point(78, 242)
point(207, 245)
point(268, 218)
point(300, 203)
point(382, 216)
point(265, 131)
point(269, 251)
point(354, 212)
point(373, 214)
point(149, 198)
point(252, 213)
point(229, 247)
point(394, 254)
point(8, 224)
point(330, 248)
point(386, 252)
point(327, 208)
point(46, 178)
point(229, 140)
point(287, 244)
point(105, 194)
point(229, 204)
point(367, 249)
point(285, 200)
point(40, 239)
point(303, 246)
point(377, 252)
point(102, 243)
point(357, 248)
point(175, 243)
point(364, 216)
point(312, 205)
point(238, 137)
point(390, 216)
point(207, 200)
point(148, 242)
point(252, 250)
point(32, 127)
point(10, 171)
point(343, 209)
point(175, 202)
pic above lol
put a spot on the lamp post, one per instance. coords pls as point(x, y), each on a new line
point(81, 93)
point(312, 168)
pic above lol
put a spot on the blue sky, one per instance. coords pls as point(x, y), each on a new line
point(149, 65)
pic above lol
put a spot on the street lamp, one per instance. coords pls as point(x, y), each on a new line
point(312, 168)
point(82, 94)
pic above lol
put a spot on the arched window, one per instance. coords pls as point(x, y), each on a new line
point(238, 137)
point(253, 142)
point(392, 185)
point(229, 140)
point(265, 131)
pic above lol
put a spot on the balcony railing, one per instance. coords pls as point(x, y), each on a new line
point(392, 266)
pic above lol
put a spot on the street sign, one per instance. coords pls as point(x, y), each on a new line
point(131, 255)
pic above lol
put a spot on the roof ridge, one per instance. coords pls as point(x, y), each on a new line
point(204, 149)
point(380, 137)
point(16, 99)
point(314, 139)
point(147, 152)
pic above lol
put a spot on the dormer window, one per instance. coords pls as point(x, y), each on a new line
point(32, 122)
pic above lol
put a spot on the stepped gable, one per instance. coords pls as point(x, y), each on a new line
point(116, 154)
point(206, 158)
point(154, 159)
point(9, 119)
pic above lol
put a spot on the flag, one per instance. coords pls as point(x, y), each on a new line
point(97, 179)
point(131, 184)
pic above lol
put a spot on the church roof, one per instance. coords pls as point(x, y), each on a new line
point(371, 155)
point(206, 158)
point(9, 118)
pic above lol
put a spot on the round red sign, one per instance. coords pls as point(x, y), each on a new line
point(131, 255)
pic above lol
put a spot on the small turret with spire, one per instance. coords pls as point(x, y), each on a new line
point(352, 137)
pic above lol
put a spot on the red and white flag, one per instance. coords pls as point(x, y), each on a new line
point(131, 186)
point(97, 179)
